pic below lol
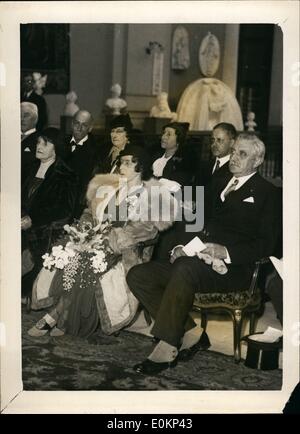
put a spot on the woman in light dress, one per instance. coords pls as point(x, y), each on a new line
point(138, 208)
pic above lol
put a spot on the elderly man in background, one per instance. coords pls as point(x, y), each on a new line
point(242, 229)
point(80, 153)
point(29, 119)
point(29, 95)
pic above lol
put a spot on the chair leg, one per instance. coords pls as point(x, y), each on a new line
point(28, 304)
point(252, 324)
point(204, 339)
point(203, 320)
point(237, 327)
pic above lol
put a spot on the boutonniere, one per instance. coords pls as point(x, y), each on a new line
point(132, 202)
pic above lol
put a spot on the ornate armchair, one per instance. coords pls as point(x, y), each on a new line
point(237, 304)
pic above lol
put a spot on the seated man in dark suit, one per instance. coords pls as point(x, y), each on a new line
point(214, 172)
point(29, 95)
point(80, 153)
point(243, 228)
point(29, 119)
point(222, 138)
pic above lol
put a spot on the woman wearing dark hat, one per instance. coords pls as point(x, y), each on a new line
point(136, 212)
point(48, 201)
point(172, 163)
point(120, 129)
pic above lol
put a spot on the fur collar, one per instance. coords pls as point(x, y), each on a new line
point(160, 195)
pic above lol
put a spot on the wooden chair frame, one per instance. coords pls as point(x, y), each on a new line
point(238, 305)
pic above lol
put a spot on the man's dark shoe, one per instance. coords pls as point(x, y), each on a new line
point(147, 367)
point(188, 353)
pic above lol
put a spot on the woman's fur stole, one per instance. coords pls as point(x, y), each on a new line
point(157, 203)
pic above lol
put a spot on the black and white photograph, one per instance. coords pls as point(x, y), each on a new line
point(150, 207)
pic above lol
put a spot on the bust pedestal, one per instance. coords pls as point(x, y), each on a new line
point(155, 125)
point(66, 125)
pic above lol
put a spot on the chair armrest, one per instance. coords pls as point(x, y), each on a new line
point(147, 243)
point(254, 280)
point(263, 261)
point(143, 244)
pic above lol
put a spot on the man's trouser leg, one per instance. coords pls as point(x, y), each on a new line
point(168, 292)
point(189, 275)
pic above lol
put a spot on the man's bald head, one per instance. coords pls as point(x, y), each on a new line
point(82, 124)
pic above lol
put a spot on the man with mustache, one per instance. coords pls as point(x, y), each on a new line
point(242, 229)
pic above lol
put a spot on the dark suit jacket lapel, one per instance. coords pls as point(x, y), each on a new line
point(246, 190)
point(168, 169)
point(224, 170)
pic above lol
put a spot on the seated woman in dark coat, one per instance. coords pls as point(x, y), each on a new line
point(174, 163)
point(48, 200)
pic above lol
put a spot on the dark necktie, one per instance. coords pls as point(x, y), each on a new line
point(217, 166)
point(231, 188)
point(73, 143)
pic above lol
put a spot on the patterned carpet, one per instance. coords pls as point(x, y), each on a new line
point(68, 363)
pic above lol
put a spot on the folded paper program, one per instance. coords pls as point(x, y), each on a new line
point(270, 335)
point(278, 264)
point(194, 247)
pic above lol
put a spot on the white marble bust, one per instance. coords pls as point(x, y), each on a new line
point(115, 104)
point(39, 82)
point(250, 124)
point(71, 107)
point(162, 109)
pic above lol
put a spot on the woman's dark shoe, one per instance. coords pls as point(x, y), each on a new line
point(147, 367)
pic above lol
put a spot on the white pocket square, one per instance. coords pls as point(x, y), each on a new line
point(27, 150)
point(249, 199)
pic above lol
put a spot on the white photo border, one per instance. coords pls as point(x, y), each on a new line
point(13, 398)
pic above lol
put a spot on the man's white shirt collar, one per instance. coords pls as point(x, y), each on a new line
point(28, 132)
point(81, 141)
point(223, 160)
point(242, 180)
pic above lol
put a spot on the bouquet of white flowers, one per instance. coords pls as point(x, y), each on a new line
point(84, 250)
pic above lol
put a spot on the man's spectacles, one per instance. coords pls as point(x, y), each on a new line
point(79, 124)
point(212, 140)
